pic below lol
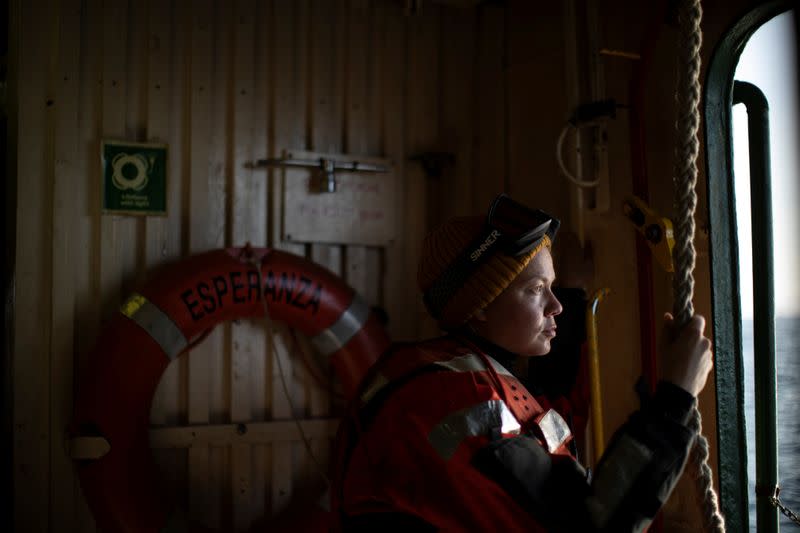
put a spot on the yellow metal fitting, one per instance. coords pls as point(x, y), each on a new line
point(594, 372)
point(657, 230)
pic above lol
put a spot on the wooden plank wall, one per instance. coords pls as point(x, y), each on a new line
point(223, 83)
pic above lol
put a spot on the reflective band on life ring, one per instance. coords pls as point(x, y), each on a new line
point(156, 323)
point(339, 334)
point(154, 326)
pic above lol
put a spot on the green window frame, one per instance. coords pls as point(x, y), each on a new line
point(724, 255)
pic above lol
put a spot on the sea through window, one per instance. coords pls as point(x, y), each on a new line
point(769, 62)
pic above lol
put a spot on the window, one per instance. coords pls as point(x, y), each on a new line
point(769, 61)
point(763, 44)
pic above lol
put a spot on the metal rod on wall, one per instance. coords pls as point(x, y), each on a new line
point(763, 302)
point(327, 166)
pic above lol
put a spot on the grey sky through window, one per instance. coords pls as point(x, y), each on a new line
point(769, 62)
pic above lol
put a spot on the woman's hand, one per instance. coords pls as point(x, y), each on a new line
point(686, 354)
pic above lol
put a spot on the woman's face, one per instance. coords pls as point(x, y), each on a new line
point(522, 318)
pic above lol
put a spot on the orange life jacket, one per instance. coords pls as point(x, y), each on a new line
point(422, 413)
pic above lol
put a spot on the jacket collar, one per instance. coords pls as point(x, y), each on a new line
point(498, 353)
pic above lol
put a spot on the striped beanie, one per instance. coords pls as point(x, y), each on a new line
point(443, 246)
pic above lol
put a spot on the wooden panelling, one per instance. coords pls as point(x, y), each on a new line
point(536, 64)
point(361, 99)
point(259, 388)
point(456, 128)
point(327, 26)
point(159, 229)
point(248, 223)
point(224, 83)
point(398, 298)
point(203, 500)
point(489, 155)
point(86, 182)
point(164, 45)
point(32, 366)
point(65, 82)
point(117, 237)
point(422, 136)
point(288, 69)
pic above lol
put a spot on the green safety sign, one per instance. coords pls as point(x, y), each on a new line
point(134, 178)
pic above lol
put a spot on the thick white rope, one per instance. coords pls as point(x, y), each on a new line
point(687, 149)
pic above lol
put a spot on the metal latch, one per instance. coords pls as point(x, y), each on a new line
point(327, 167)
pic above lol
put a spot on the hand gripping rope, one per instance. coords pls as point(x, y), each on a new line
point(685, 199)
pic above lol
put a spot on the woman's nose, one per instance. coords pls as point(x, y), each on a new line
point(554, 307)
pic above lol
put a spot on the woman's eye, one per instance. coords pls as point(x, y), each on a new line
point(536, 289)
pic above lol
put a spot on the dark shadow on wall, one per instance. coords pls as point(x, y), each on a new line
point(8, 235)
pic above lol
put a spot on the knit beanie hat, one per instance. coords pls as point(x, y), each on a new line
point(443, 246)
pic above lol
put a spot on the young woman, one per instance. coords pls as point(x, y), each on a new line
point(444, 437)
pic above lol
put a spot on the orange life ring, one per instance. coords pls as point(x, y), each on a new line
point(158, 323)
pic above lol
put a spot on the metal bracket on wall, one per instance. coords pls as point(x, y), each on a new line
point(656, 230)
point(433, 163)
point(327, 167)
